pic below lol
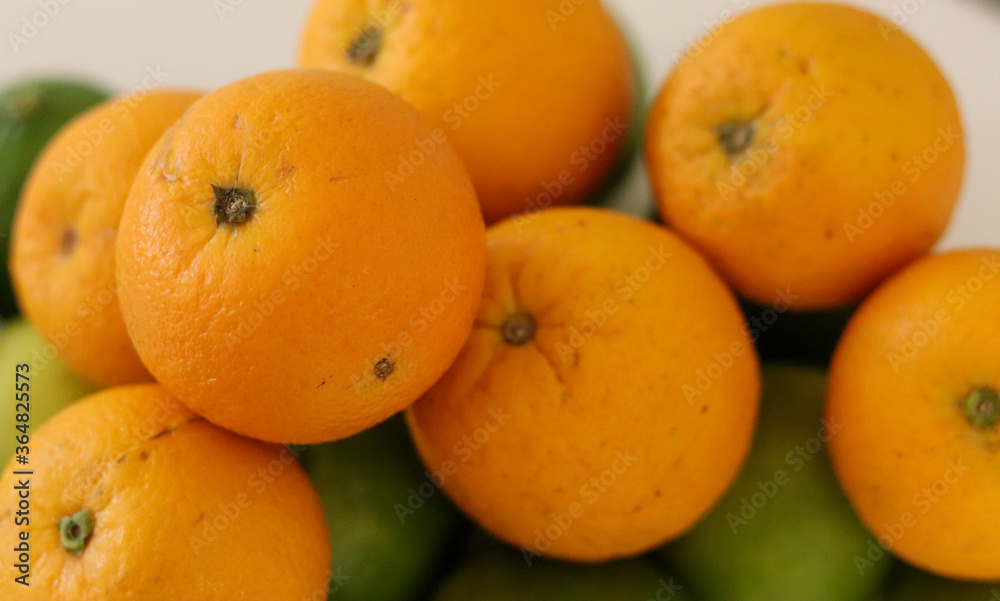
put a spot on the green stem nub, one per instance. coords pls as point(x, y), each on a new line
point(982, 407)
point(735, 136)
point(75, 530)
point(234, 205)
point(366, 47)
point(519, 329)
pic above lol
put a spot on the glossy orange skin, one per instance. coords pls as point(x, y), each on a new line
point(855, 164)
point(628, 319)
point(278, 328)
point(182, 509)
point(63, 251)
point(914, 467)
point(518, 87)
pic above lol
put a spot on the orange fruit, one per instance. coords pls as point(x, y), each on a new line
point(914, 385)
point(63, 248)
point(606, 396)
point(132, 496)
point(536, 96)
point(809, 147)
point(275, 282)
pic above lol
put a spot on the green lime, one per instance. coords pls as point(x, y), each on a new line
point(31, 112)
point(915, 585)
point(507, 576)
point(389, 523)
point(48, 382)
point(785, 530)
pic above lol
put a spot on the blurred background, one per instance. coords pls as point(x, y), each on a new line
point(208, 43)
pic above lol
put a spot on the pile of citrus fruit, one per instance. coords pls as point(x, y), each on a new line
point(339, 334)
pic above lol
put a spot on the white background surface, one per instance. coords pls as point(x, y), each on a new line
point(115, 42)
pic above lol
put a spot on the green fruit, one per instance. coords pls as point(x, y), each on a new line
point(915, 585)
point(507, 576)
point(50, 384)
point(785, 530)
point(31, 112)
point(388, 539)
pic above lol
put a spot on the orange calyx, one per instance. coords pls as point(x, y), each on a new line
point(519, 329)
point(366, 47)
point(75, 530)
point(735, 136)
point(233, 205)
point(982, 407)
